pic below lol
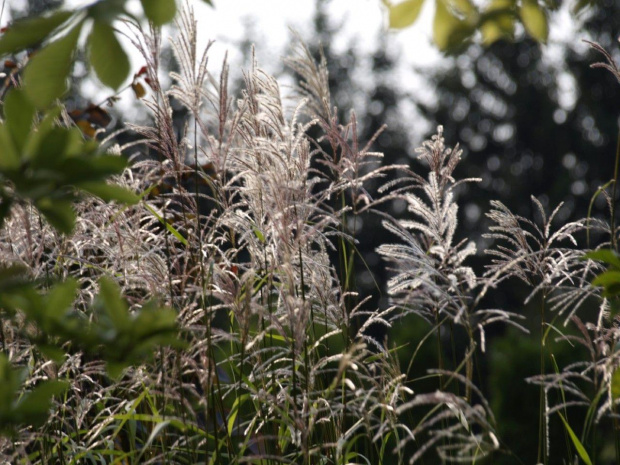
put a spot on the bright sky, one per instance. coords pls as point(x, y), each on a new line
point(269, 22)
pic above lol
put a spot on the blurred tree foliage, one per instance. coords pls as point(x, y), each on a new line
point(530, 125)
point(458, 22)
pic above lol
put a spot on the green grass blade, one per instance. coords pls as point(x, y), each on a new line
point(583, 454)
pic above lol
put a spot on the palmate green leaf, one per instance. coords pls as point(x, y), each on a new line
point(107, 57)
point(535, 20)
point(45, 76)
point(19, 114)
point(404, 14)
point(159, 11)
point(28, 32)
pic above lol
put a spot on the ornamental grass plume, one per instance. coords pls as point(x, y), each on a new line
point(245, 202)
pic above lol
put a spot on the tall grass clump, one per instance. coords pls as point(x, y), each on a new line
point(244, 230)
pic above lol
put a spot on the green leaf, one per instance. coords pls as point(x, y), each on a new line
point(9, 379)
point(83, 169)
point(115, 369)
point(19, 114)
point(59, 301)
point(168, 226)
point(449, 31)
point(34, 406)
point(28, 32)
point(404, 14)
point(51, 149)
point(232, 418)
point(615, 385)
point(59, 213)
point(43, 128)
point(13, 277)
point(583, 454)
point(259, 235)
point(606, 256)
point(10, 157)
point(534, 20)
point(466, 7)
point(159, 426)
point(45, 76)
point(498, 21)
point(107, 57)
point(159, 11)
point(107, 11)
point(109, 192)
point(52, 351)
point(112, 303)
point(610, 281)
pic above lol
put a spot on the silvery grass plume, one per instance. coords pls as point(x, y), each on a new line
point(290, 327)
point(590, 384)
point(551, 264)
point(273, 364)
point(564, 277)
point(546, 260)
point(432, 281)
point(350, 166)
